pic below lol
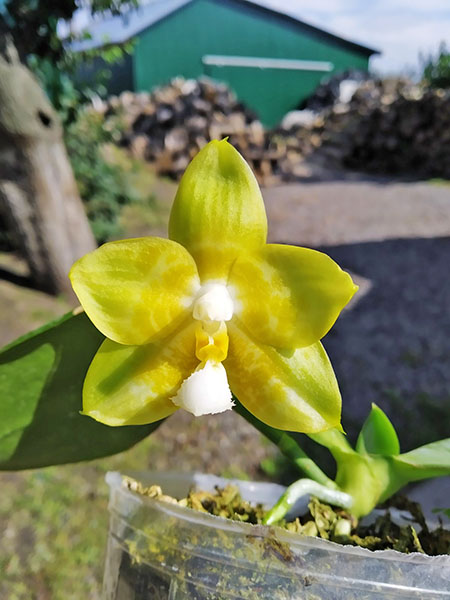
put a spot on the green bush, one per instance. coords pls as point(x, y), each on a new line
point(436, 71)
point(67, 95)
point(105, 182)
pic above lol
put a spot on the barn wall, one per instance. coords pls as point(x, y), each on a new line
point(176, 45)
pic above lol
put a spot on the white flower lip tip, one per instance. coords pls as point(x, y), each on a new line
point(213, 303)
point(206, 391)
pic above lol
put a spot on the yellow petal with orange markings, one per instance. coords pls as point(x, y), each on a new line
point(132, 385)
point(288, 297)
point(138, 290)
point(294, 391)
point(218, 211)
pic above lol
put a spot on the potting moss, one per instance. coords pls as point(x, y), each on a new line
point(321, 520)
point(162, 556)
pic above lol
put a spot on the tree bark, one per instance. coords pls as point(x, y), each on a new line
point(39, 199)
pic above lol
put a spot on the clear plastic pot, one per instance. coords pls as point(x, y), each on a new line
point(161, 551)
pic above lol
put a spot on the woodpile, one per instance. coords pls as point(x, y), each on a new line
point(384, 126)
point(389, 127)
point(409, 135)
point(169, 126)
point(334, 89)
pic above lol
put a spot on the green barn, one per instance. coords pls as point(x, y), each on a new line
point(270, 58)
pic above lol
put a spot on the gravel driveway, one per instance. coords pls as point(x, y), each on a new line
point(346, 212)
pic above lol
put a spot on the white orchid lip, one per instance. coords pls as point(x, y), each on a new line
point(213, 303)
point(206, 391)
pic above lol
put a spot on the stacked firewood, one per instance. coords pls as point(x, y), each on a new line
point(169, 126)
point(409, 136)
point(384, 126)
point(390, 128)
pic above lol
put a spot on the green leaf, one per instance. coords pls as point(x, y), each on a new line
point(431, 460)
point(41, 380)
point(378, 435)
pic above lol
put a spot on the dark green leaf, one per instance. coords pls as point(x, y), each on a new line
point(378, 435)
point(41, 380)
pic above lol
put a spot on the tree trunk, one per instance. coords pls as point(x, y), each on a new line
point(39, 199)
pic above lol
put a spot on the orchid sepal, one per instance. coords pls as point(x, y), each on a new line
point(218, 211)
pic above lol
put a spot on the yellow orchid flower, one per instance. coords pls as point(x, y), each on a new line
point(212, 308)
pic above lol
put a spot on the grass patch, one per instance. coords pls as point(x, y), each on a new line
point(54, 525)
point(108, 177)
point(439, 181)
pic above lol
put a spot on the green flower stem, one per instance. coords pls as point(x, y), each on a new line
point(303, 487)
point(289, 447)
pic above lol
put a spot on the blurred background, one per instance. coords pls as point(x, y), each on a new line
point(341, 107)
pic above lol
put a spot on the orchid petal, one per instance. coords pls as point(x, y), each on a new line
point(294, 391)
point(289, 297)
point(218, 211)
point(132, 385)
point(136, 290)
